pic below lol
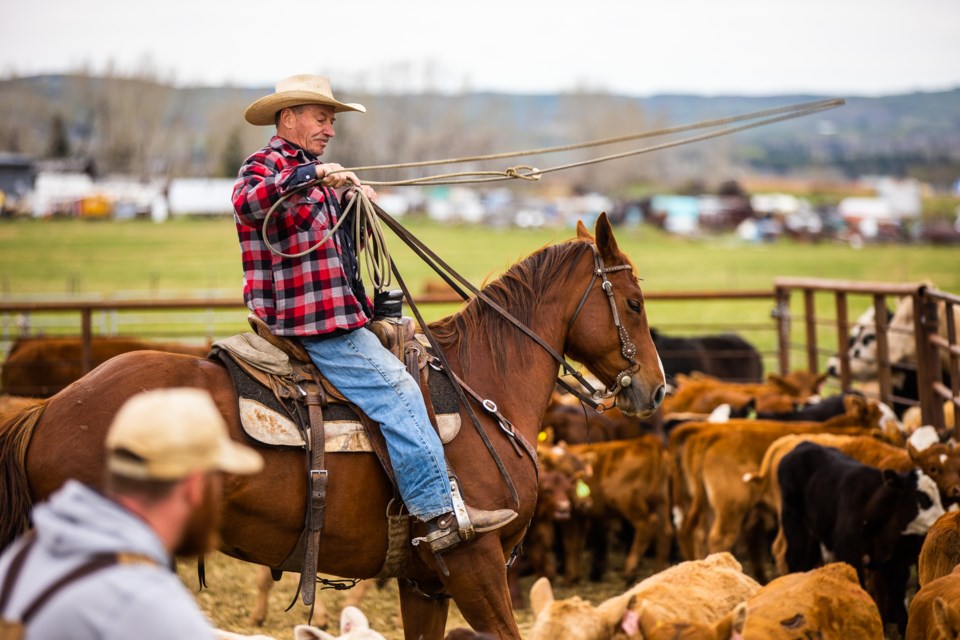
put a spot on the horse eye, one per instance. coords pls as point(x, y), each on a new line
point(635, 305)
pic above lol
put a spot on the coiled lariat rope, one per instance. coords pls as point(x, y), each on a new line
point(369, 233)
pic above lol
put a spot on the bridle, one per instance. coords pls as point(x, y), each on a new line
point(627, 347)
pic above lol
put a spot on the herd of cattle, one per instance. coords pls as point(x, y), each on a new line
point(838, 496)
point(841, 497)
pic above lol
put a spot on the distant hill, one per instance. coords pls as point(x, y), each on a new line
point(148, 127)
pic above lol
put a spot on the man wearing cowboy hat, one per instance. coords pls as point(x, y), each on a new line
point(318, 297)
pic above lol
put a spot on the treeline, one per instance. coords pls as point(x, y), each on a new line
point(142, 125)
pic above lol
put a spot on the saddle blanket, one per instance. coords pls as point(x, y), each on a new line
point(272, 422)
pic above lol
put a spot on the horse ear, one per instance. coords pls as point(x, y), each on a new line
point(541, 595)
point(605, 240)
point(582, 231)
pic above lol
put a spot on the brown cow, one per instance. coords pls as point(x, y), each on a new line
point(703, 394)
point(935, 610)
point(713, 465)
point(630, 479)
point(701, 591)
point(40, 367)
point(827, 602)
point(940, 553)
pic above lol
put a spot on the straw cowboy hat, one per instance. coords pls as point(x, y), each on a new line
point(295, 90)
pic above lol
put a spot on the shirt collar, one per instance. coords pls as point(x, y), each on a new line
point(290, 150)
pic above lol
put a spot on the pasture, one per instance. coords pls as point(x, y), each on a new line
point(60, 259)
point(77, 259)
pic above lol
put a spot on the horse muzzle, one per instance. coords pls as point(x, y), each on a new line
point(640, 398)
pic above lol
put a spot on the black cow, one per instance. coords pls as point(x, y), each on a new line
point(822, 411)
point(726, 356)
point(860, 514)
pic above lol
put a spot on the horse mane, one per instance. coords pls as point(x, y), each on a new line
point(519, 291)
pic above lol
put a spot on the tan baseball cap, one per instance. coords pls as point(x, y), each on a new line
point(167, 434)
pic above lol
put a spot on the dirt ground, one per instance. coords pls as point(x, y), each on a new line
point(231, 591)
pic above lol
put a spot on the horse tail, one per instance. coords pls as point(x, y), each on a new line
point(16, 429)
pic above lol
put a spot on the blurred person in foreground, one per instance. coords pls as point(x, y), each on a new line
point(314, 294)
point(166, 452)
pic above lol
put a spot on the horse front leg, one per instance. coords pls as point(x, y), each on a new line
point(424, 617)
point(478, 584)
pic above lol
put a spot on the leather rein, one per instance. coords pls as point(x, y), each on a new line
point(592, 396)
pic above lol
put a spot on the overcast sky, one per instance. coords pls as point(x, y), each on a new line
point(754, 47)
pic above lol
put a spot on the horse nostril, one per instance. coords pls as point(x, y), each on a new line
point(659, 394)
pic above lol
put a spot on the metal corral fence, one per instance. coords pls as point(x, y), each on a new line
point(764, 318)
point(918, 332)
point(202, 321)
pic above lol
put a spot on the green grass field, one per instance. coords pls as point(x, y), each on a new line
point(200, 255)
point(57, 259)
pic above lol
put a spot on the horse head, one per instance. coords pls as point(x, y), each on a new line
point(608, 330)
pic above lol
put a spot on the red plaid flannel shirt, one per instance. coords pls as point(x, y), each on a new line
point(304, 296)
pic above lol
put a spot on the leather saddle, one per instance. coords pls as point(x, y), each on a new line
point(284, 401)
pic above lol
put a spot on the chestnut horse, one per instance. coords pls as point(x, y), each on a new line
point(264, 514)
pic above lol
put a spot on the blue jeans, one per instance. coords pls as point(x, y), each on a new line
point(376, 381)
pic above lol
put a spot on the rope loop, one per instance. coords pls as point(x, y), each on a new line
point(523, 172)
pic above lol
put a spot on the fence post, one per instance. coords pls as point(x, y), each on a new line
point(781, 312)
point(883, 349)
point(954, 364)
point(928, 358)
point(843, 336)
point(86, 360)
point(810, 319)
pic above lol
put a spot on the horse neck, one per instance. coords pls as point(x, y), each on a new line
point(522, 388)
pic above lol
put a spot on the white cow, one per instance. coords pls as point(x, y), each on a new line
point(353, 626)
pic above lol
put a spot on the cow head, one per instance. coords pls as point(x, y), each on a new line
point(798, 384)
point(553, 496)
point(941, 462)
point(578, 469)
point(573, 618)
point(947, 619)
point(904, 504)
point(861, 347)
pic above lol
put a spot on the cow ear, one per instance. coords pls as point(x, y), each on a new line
point(630, 621)
point(607, 244)
point(730, 627)
point(582, 231)
point(739, 620)
point(947, 618)
point(912, 451)
point(306, 632)
point(352, 619)
point(891, 478)
point(646, 620)
point(820, 380)
point(780, 382)
point(541, 595)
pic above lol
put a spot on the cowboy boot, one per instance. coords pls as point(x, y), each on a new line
point(445, 532)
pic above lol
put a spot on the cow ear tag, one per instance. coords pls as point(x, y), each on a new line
point(583, 490)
